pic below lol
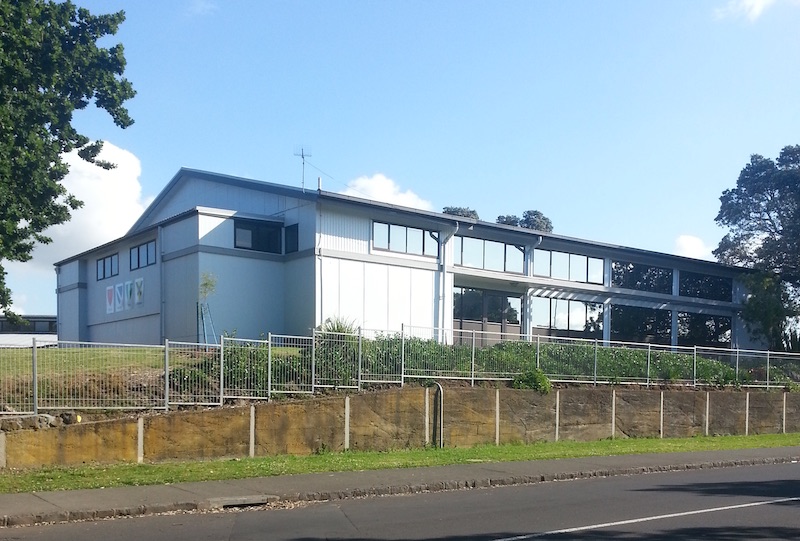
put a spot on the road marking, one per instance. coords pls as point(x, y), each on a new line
point(646, 519)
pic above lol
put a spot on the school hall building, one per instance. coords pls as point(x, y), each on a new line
point(285, 259)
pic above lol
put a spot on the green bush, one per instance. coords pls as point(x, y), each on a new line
point(532, 378)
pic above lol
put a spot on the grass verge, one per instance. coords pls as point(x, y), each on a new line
point(100, 476)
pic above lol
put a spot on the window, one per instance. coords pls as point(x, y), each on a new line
point(703, 330)
point(292, 239)
point(143, 255)
point(638, 324)
point(259, 236)
point(578, 319)
point(404, 240)
point(715, 288)
point(567, 266)
point(108, 266)
point(489, 255)
point(640, 277)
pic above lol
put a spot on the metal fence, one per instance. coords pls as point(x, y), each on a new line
point(79, 375)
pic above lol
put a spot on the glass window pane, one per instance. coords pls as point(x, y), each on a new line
point(495, 306)
point(541, 312)
point(541, 262)
point(115, 264)
point(431, 245)
point(560, 313)
point(472, 253)
point(134, 258)
point(380, 235)
point(471, 304)
point(494, 255)
point(560, 265)
point(151, 252)
point(577, 268)
point(595, 271)
point(513, 309)
point(100, 269)
point(415, 240)
point(143, 255)
point(244, 238)
point(397, 238)
point(514, 259)
point(577, 316)
point(457, 250)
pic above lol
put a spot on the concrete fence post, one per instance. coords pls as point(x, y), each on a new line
point(347, 422)
point(497, 416)
point(747, 413)
point(708, 413)
point(140, 440)
point(558, 412)
point(661, 417)
point(252, 450)
point(166, 374)
point(35, 376)
point(613, 413)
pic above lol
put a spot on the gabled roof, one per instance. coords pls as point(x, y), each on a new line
point(239, 182)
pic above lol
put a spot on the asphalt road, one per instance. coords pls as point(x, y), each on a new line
point(729, 504)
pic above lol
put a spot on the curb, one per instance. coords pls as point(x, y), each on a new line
point(212, 504)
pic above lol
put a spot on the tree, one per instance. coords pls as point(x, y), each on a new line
point(762, 214)
point(461, 211)
point(531, 219)
point(508, 219)
point(50, 66)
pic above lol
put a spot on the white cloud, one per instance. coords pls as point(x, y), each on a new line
point(694, 247)
point(380, 188)
point(750, 9)
point(112, 201)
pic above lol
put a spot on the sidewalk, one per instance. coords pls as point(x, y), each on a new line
point(32, 508)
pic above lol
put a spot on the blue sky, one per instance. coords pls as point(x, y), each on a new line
point(622, 121)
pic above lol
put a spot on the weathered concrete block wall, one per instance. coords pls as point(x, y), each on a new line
point(765, 414)
point(299, 428)
point(684, 414)
point(527, 417)
point(637, 414)
point(469, 417)
point(585, 414)
point(402, 418)
point(197, 434)
point(102, 443)
point(391, 420)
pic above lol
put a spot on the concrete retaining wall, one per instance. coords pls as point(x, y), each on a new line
point(404, 418)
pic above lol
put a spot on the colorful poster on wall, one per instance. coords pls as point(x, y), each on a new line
point(110, 300)
point(128, 295)
point(138, 291)
point(119, 297)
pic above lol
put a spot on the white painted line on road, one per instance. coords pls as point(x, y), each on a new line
point(646, 519)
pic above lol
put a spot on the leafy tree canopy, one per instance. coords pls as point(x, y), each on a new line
point(762, 214)
point(461, 211)
point(531, 219)
point(50, 66)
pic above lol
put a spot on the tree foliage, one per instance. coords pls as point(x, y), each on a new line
point(466, 212)
point(50, 66)
point(762, 214)
point(531, 219)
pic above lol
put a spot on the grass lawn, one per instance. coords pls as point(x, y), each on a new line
point(97, 476)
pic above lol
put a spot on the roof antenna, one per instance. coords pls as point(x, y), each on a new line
point(303, 153)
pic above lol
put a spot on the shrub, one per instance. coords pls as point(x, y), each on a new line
point(532, 378)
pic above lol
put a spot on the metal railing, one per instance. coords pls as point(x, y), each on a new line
point(80, 375)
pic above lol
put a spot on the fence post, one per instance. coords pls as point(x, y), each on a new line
point(222, 370)
point(538, 337)
point(35, 377)
point(313, 359)
point(595, 362)
point(767, 369)
point(166, 374)
point(648, 365)
point(402, 354)
point(472, 361)
point(360, 352)
point(694, 368)
point(736, 376)
point(269, 366)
